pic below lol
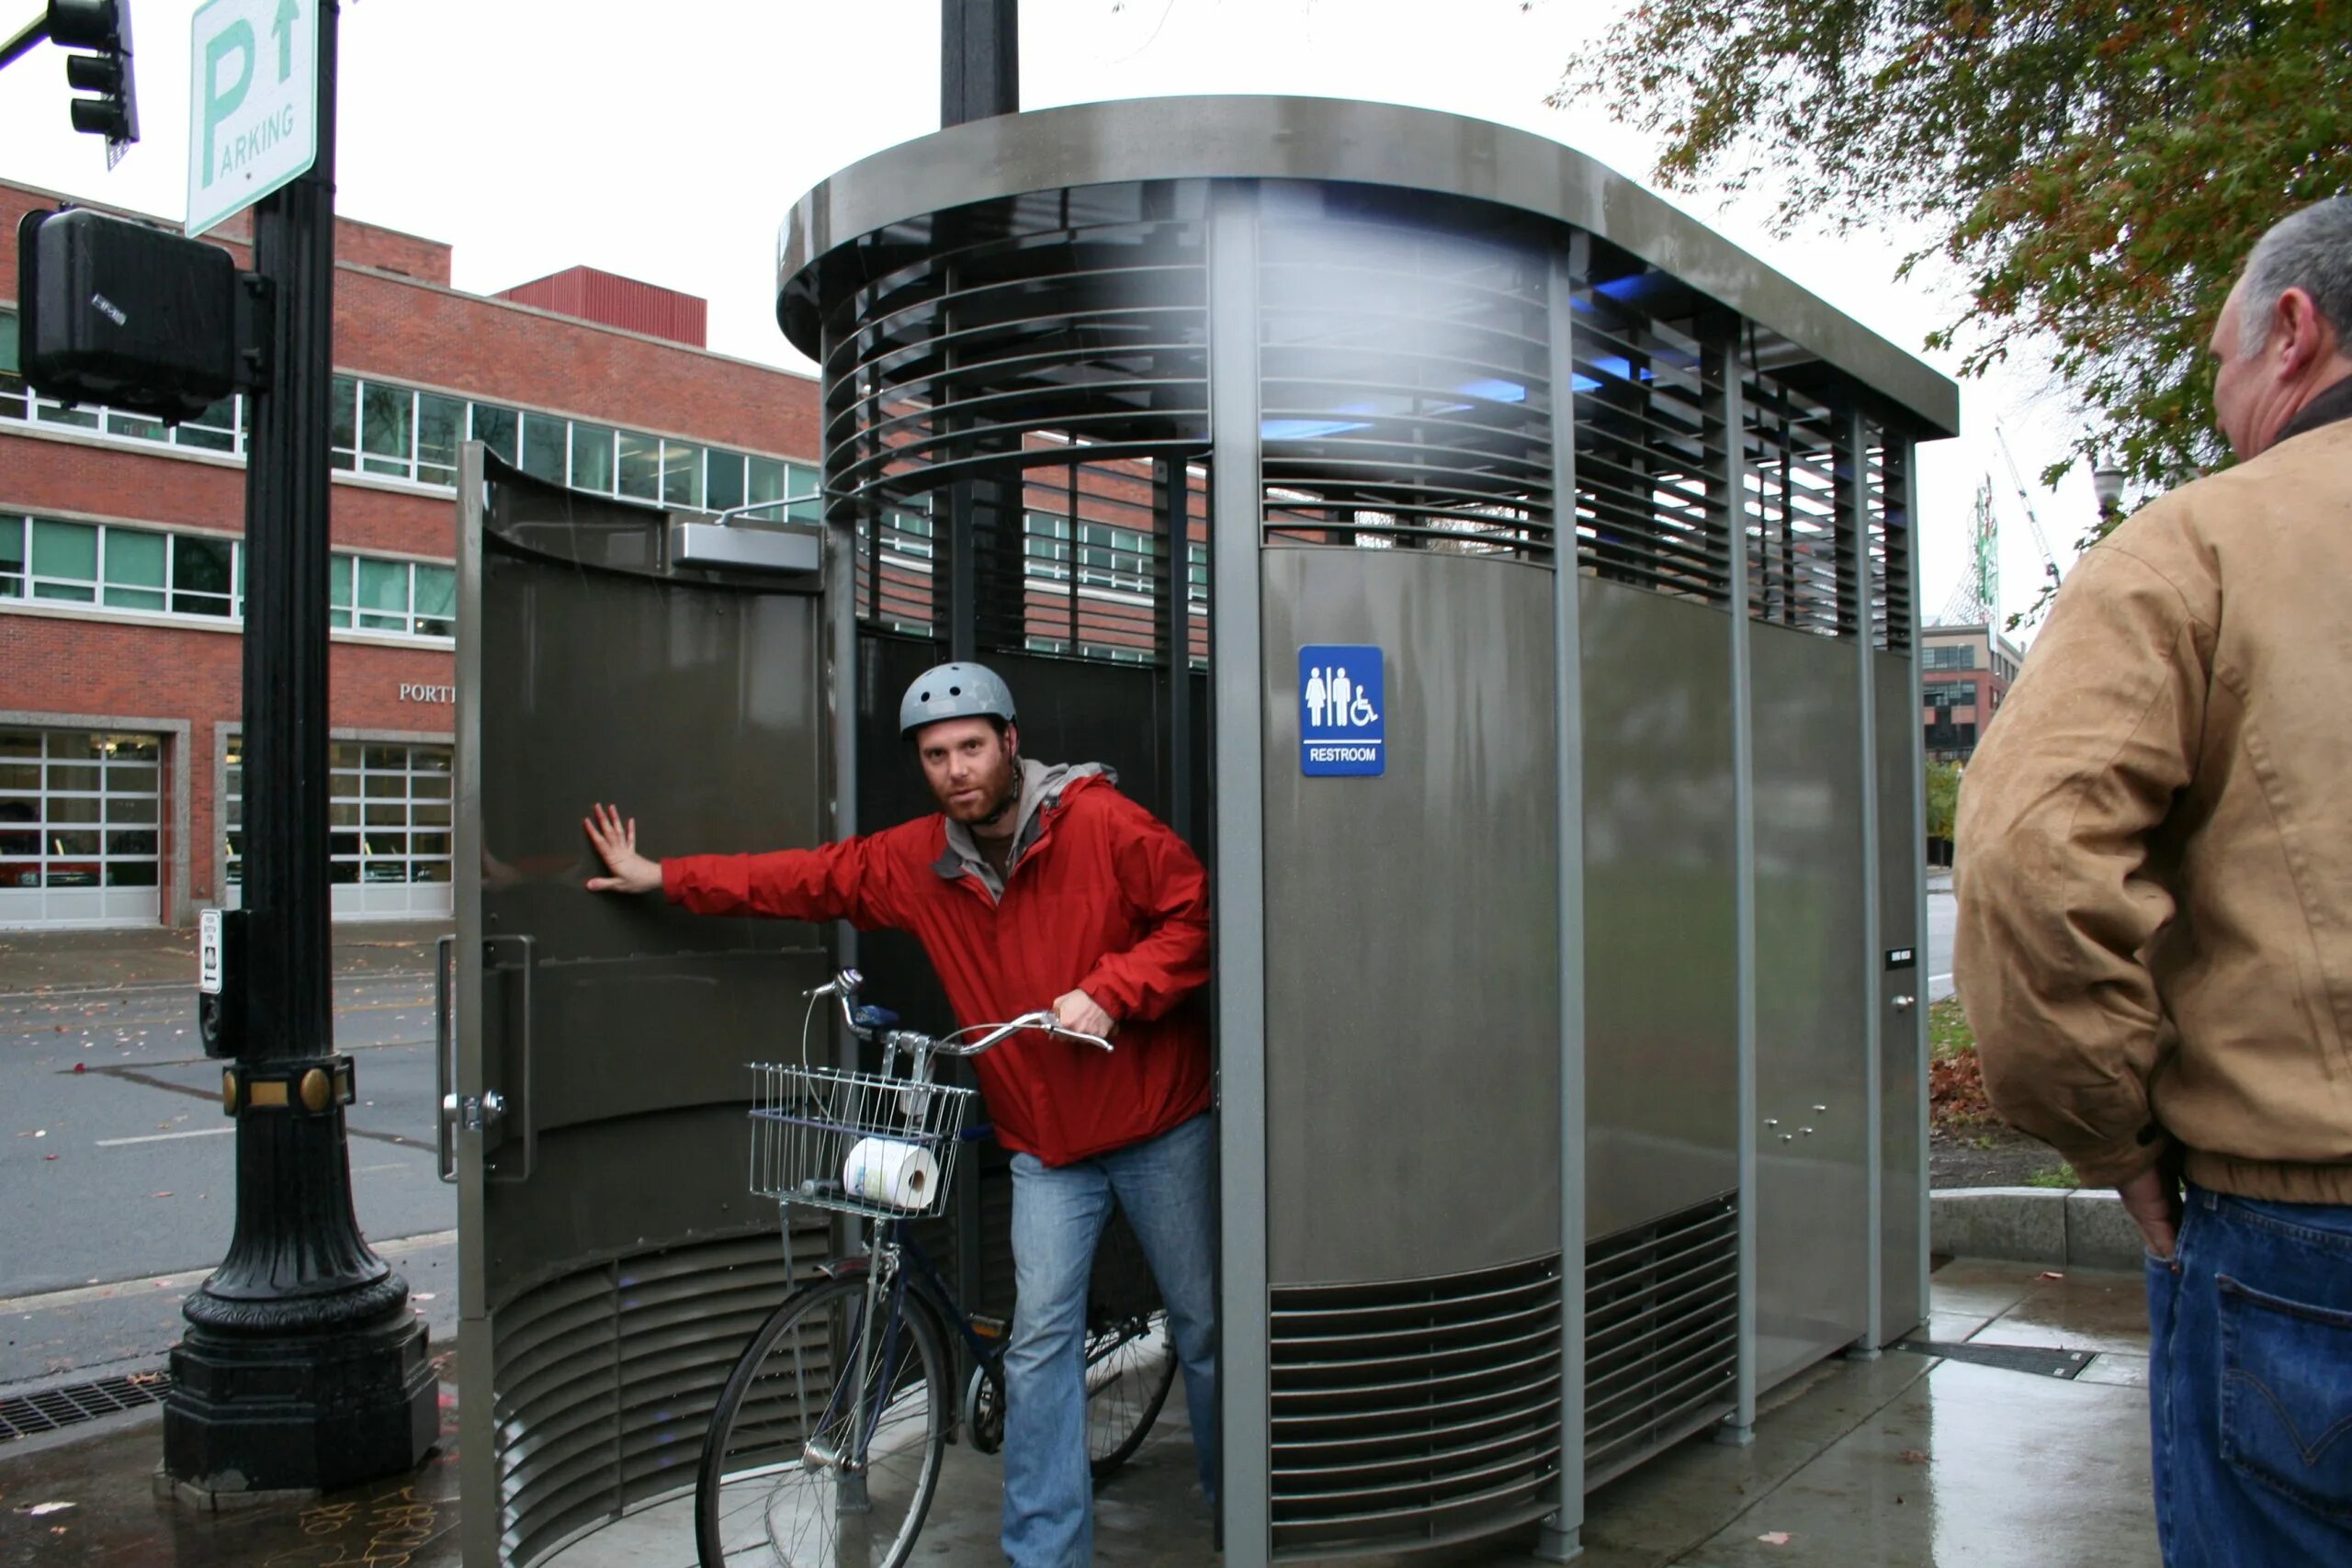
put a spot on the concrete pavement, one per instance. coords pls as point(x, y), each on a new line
point(1909, 1461)
point(116, 1162)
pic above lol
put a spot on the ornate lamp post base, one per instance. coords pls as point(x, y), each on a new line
point(283, 1411)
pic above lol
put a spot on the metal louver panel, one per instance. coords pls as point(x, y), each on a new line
point(1414, 1412)
point(1405, 400)
point(1885, 500)
point(1802, 563)
point(1014, 379)
point(1661, 1334)
point(606, 1377)
point(1650, 452)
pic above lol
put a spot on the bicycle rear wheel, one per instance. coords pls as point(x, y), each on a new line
point(1130, 1366)
point(780, 1485)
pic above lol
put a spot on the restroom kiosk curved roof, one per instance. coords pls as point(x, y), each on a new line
point(1390, 145)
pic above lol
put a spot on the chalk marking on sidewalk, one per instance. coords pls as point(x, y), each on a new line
point(164, 1137)
point(187, 1278)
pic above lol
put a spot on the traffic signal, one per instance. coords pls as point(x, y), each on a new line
point(104, 26)
point(135, 318)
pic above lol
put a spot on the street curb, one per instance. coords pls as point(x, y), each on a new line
point(2035, 1225)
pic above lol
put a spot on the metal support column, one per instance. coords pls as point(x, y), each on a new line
point(1560, 1541)
point(302, 1366)
point(1724, 360)
point(1171, 497)
point(1239, 727)
point(1853, 466)
point(1918, 749)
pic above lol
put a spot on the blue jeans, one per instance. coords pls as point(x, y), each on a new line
point(2250, 1384)
point(1164, 1186)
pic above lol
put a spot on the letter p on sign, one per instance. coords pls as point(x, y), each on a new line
point(252, 119)
point(232, 43)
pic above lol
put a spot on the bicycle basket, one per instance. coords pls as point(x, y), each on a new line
point(856, 1142)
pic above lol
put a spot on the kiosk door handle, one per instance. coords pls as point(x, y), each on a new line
point(1903, 1004)
point(444, 1068)
point(494, 1107)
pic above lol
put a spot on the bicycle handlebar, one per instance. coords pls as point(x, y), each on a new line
point(843, 987)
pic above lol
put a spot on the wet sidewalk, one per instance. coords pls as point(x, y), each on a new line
point(2034, 1450)
point(36, 963)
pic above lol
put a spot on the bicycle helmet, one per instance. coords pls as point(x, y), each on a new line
point(954, 690)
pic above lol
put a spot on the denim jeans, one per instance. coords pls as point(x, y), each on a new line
point(1164, 1186)
point(2250, 1384)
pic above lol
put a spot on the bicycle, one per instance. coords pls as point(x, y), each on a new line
point(826, 1444)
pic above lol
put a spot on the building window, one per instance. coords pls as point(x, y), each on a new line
point(78, 809)
point(394, 431)
point(1044, 547)
point(404, 598)
point(204, 574)
point(388, 815)
point(1951, 656)
point(1947, 697)
point(200, 576)
point(1105, 557)
point(1114, 557)
point(547, 447)
point(591, 457)
point(495, 428)
point(136, 569)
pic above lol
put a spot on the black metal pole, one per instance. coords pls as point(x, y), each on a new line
point(303, 1366)
point(980, 60)
point(34, 31)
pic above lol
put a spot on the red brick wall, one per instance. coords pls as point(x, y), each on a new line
point(75, 668)
point(401, 329)
point(507, 353)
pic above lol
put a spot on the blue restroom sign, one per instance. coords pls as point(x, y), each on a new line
point(1343, 710)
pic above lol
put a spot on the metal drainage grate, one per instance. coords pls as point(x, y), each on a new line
point(2041, 1360)
point(28, 1414)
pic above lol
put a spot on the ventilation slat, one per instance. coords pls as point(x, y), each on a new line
point(1662, 1317)
point(1407, 1410)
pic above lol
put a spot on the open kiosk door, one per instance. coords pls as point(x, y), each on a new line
point(612, 1261)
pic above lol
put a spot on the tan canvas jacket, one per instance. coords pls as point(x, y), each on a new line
point(2154, 941)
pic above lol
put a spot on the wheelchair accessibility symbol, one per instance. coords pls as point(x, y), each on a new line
point(1341, 699)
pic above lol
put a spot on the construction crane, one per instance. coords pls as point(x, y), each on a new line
point(1977, 599)
point(2049, 559)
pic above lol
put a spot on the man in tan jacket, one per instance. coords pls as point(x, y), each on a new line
point(2155, 945)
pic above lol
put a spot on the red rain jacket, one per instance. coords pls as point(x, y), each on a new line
point(1106, 899)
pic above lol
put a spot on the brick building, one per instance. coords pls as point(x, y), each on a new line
point(121, 567)
point(1965, 672)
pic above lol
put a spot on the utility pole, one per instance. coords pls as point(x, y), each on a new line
point(980, 60)
point(303, 1367)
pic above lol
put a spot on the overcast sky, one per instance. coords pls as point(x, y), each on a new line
point(665, 141)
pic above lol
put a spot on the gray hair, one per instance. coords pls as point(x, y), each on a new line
point(2310, 250)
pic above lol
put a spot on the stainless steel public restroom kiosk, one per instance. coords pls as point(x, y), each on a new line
point(1506, 583)
point(1554, 564)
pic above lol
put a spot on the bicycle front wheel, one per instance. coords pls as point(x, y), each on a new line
point(825, 1447)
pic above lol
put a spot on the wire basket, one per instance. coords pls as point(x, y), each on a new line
point(856, 1142)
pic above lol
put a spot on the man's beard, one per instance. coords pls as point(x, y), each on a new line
point(999, 794)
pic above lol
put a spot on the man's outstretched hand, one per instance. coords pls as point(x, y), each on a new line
point(616, 843)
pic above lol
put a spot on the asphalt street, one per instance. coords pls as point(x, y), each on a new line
point(1941, 911)
point(117, 1194)
point(117, 1187)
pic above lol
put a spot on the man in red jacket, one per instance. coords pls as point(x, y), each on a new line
point(1034, 886)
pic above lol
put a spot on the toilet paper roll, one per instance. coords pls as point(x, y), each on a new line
point(882, 1171)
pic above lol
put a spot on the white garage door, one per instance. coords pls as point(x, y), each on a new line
point(80, 828)
point(388, 825)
